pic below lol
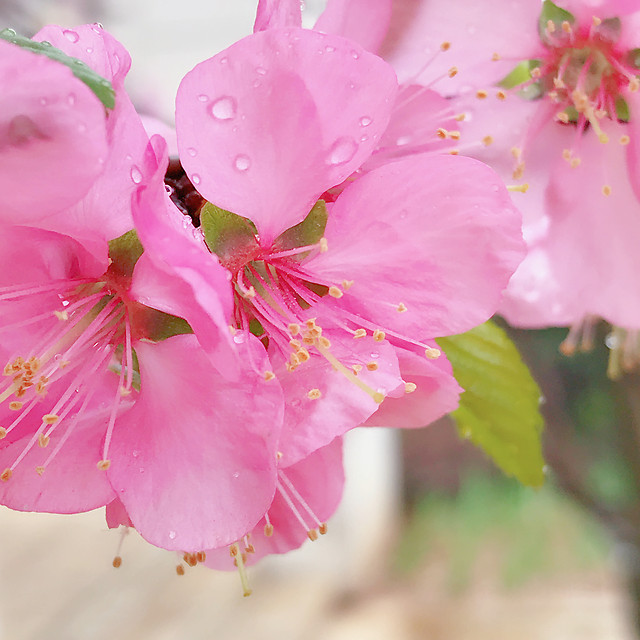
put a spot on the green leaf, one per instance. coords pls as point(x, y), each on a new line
point(99, 85)
point(622, 109)
point(520, 74)
point(552, 12)
point(124, 252)
point(499, 409)
point(307, 232)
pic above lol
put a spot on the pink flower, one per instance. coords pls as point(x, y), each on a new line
point(96, 403)
point(412, 250)
point(568, 127)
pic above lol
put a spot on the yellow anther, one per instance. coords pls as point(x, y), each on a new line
point(401, 308)
point(201, 556)
point(294, 329)
point(372, 366)
point(487, 140)
point(520, 188)
point(61, 315)
point(124, 392)
point(445, 46)
point(314, 394)
point(432, 353)
point(103, 465)
point(535, 73)
point(603, 137)
point(516, 152)
point(501, 95)
point(303, 354)
point(575, 163)
point(357, 368)
point(15, 405)
point(190, 559)
point(312, 534)
point(180, 570)
point(410, 387)
point(296, 344)
point(495, 57)
point(347, 284)
point(294, 360)
point(308, 340)
point(324, 342)
point(249, 293)
point(460, 117)
point(634, 84)
point(441, 133)
point(250, 549)
point(3, 433)
point(558, 83)
point(117, 562)
point(268, 530)
point(269, 375)
point(40, 470)
point(596, 21)
point(311, 323)
point(454, 152)
point(335, 292)
point(481, 94)
point(454, 135)
point(566, 154)
point(606, 190)
point(6, 474)
point(551, 26)
point(359, 333)
point(43, 440)
point(233, 550)
point(566, 26)
point(518, 172)
point(324, 245)
point(452, 72)
point(279, 455)
point(50, 418)
point(624, 140)
point(379, 335)
point(322, 529)
point(232, 330)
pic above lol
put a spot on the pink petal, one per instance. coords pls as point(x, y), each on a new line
point(436, 234)
point(319, 479)
point(270, 123)
point(52, 136)
point(177, 273)
point(437, 393)
point(313, 423)
point(363, 21)
point(474, 32)
point(194, 461)
point(272, 14)
point(117, 515)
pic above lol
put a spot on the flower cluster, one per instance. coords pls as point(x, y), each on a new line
point(186, 341)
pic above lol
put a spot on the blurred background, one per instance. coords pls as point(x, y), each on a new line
point(430, 542)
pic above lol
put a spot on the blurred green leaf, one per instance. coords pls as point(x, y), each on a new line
point(499, 409)
point(99, 85)
point(552, 12)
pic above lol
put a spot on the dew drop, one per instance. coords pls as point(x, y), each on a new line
point(224, 108)
point(365, 121)
point(44, 102)
point(256, 84)
point(329, 49)
point(192, 152)
point(136, 175)
point(261, 71)
point(195, 178)
point(203, 98)
point(71, 36)
point(364, 138)
point(375, 355)
point(224, 60)
point(236, 475)
point(89, 50)
point(9, 33)
point(172, 535)
point(342, 150)
point(242, 162)
point(402, 140)
point(71, 99)
point(238, 338)
point(135, 453)
point(355, 55)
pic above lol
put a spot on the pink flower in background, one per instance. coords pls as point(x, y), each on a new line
point(411, 250)
point(564, 121)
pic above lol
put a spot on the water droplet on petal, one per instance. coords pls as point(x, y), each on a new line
point(172, 535)
point(242, 162)
point(224, 108)
point(261, 71)
point(236, 475)
point(238, 338)
point(135, 453)
point(402, 140)
point(355, 55)
point(224, 60)
point(71, 36)
point(203, 98)
point(89, 50)
point(365, 121)
point(192, 152)
point(375, 354)
point(329, 49)
point(342, 150)
point(195, 178)
point(364, 138)
point(136, 175)
point(71, 99)
point(44, 102)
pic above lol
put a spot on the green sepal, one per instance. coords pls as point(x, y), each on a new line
point(557, 15)
point(610, 29)
point(622, 109)
point(633, 58)
point(520, 74)
point(124, 252)
point(159, 325)
point(99, 85)
point(231, 237)
point(307, 232)
point(572, 114)
point(499, 409)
